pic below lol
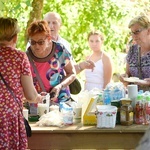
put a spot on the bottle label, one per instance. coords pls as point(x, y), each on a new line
point(123, 115)
point(148, 110)
point(131, 116)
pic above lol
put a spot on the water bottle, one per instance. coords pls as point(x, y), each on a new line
point(99, 99)
point(107, 97)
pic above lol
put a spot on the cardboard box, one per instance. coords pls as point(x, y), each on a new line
point(88, 113)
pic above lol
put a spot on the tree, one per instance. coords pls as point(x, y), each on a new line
point(79, 17)
point(35, 14)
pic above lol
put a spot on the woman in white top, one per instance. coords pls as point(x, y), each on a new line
point(101, 75)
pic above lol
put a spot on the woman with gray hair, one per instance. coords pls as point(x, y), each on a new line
point(138, 57)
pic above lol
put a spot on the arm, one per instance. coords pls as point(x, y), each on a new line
point(68, 79)
point(29, 90)
point(84, 65)
point(107, 69)
point(70, 74)
point(145, 82)
point(126, 74)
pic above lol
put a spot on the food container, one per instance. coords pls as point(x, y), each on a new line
point(25, 113)
point(117, 103)
point(106, 116)
point(43, 108)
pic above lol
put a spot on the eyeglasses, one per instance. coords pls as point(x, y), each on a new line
point(40, 42)
point(137, 31)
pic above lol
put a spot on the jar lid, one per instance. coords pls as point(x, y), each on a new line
point(125, 98)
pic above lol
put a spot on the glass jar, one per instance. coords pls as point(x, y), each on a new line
point(126, 112)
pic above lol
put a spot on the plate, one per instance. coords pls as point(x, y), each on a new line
point(131, 79)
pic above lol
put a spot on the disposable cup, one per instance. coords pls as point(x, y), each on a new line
point(77, 112)
point(25, 113)
point(42, 109)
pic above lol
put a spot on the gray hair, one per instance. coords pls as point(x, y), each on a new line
point(142, 20)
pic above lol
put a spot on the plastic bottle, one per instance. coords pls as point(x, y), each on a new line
point(139, 110)
point(107, 97)
point(147, 110)
point(100, 99)
point(126, 112)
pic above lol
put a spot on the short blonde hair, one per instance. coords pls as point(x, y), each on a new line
point(96, 32)
point(8, 28)
point(142, 20)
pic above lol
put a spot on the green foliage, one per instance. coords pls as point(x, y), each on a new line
point(19, 9)
point(79, 18)
point(109, 16)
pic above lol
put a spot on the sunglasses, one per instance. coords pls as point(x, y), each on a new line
point(40, 42)
point(137, 31)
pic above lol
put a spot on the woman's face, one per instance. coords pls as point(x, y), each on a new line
point(95, 42)
point(39, 43)
point(139, 34)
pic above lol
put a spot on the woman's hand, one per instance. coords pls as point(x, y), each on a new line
point(122, 76)
point(88, 64)
point(55, 92)
point(39, 99)
point(145, 82)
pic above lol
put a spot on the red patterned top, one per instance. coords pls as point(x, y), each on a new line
point(13, 64)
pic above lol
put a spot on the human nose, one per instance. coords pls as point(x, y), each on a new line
point(94, 43)
point(51, 25)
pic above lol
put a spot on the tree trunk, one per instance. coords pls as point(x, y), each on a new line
point(35, 14)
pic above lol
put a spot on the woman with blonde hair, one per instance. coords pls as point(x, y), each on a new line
point(138, 57)
point(15, 72)
point(101, 75)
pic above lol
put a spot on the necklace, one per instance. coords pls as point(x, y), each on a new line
point(43, 59)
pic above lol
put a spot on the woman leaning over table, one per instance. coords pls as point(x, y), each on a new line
point(15, 69)
point(138, 57)
point(101, 75)
point(52, 60)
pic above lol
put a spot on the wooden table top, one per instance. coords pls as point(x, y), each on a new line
point(79, 136)
point(79, 127)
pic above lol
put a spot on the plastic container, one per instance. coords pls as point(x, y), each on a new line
point(43, 108)
point(67, 114)
point(126, 112)
point(147, 110)
point(139, 110)
point(106, 116)
point(33, 118)
point(117, 103)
